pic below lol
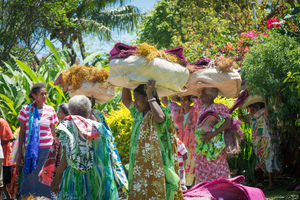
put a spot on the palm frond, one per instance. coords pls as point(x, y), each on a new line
point(93, 27)
point(120, 19)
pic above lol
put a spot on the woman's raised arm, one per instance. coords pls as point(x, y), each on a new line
point(126, 97)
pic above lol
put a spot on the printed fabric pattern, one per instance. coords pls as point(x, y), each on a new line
point(212, 148)
point(32, 150)
point(187, 136)
point(119, 172)
point(264, 148)
point(154, 171)
point(89, 174)
point(209, 170)
point(50, 166)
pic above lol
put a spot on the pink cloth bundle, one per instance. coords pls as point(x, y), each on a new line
point(226, 189)
point(121, 50)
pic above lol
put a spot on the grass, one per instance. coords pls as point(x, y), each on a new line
point(281, 194)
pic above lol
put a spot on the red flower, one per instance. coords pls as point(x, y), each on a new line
point(211, 44)
point(229, 46)
point(246, 49)
point(270, 23)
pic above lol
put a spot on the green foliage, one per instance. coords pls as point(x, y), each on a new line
point(200, 23)
point(17, 80)
point(120, 123)
point(265, 68)
point(25, 23)
point(290, 21)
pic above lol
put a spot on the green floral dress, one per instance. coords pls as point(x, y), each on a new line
point(153, 163)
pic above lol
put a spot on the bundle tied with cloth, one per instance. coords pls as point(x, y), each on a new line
point(131, 66)
point(88, 81)
point(220, 74)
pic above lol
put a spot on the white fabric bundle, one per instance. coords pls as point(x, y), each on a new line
point(100, 93)
point(228, 83)
point(132, 71)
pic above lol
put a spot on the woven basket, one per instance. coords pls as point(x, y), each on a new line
point(100, 93)
point(132, 71)
point(228, 83)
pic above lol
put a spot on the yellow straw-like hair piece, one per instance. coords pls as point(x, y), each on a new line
point(80, 72)
point(150, 53)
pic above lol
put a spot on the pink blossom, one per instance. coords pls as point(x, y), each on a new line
point(250, 34)
point(270, 23)
point(246, 49)
point(265, 34)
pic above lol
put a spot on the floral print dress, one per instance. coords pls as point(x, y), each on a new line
point(153, 162)
point(265, 149)
point(89, 174)
point(218, 168)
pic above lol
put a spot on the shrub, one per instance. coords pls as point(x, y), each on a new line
point(265, 68)
point(120, 123)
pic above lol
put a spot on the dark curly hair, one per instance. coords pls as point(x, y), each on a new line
point(35, 89)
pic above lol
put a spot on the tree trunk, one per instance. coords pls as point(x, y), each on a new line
point(81, 46)
point(73, 55)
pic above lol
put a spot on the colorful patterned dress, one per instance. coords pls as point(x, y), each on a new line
point(265, 149)
point(187, 124)
point(153, 164)
point(209, 170)
point(89, 173)
point(119, 173)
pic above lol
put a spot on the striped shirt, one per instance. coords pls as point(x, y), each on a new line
point(47, 118)
point(181, 150)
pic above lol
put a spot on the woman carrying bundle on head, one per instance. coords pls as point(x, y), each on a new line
point(185, 116)
point(209, 167)
point(153, 165)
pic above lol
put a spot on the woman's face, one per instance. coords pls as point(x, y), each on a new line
point(41, 96)
point(60, 115)
point(253, 110)
point(185, 102)
point(141, 102)
point(205, 98)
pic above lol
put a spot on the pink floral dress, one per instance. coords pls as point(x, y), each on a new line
point(210, 170)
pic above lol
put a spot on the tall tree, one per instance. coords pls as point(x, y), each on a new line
point(181, 20)
point(26, 22)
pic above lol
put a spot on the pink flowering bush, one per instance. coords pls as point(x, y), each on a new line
point(271, 21)
point(228, 46)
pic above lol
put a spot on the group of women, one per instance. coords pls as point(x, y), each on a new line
point(89, 165)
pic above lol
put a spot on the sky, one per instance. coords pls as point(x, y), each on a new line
point(92, 44)
point(146, 5)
